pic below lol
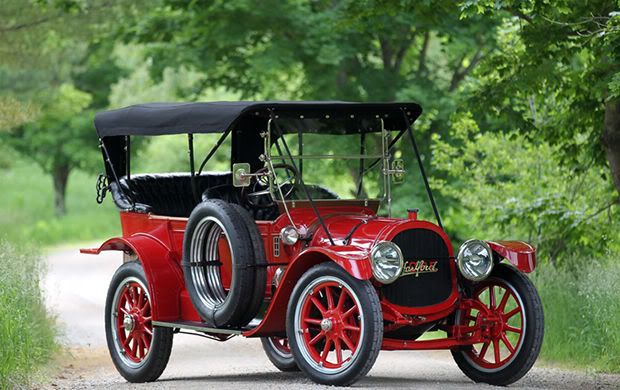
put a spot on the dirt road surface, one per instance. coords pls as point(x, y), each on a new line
point(76, 289)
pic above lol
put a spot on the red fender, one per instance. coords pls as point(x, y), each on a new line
point(350, 258)
point(163, 271)
point(521, 254)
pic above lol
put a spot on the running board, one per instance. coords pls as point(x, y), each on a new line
point(200, 327)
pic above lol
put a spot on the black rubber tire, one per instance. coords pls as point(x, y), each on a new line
point(161, 344)
point(534, 333)
point(372, 338)
point(235, 309)
point(283, 362)
point(260, 259)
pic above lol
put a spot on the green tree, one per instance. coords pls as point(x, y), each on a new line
point(55, 72)
point(56, 139)
point(504, 185)
point(323, 50)
point(556, 76)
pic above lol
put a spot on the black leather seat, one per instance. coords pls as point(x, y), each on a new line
point(171, 194)
point(165, 194)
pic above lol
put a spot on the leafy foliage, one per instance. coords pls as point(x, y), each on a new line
point(58, 136)
point(318, 50)
point(514, 188)
point(554, 75)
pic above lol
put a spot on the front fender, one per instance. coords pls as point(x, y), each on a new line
point(352, 259)
point(521, 254)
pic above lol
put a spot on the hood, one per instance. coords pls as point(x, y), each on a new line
point(363, 231)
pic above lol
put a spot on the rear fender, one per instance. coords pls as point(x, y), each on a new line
point(350, 258)
point(521, 254)
point(163, 272)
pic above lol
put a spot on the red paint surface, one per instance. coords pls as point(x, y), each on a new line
point(521, 254)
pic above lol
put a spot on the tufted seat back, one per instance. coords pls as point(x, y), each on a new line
point(169, 194)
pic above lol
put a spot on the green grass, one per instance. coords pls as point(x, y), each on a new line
point(26, 331)
point(582, 313)
point(27, 208)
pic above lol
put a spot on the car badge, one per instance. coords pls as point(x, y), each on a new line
point(419, 267)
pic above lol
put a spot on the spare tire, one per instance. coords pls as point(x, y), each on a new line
point(260, 260)
point(212, 225)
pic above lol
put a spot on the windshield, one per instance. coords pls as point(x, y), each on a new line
point(349, 166)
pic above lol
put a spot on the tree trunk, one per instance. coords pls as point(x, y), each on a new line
point(611, 140)
point(60, 175)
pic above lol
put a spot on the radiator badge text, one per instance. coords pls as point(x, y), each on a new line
point(419, 267)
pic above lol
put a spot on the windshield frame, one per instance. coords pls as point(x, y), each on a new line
point(385, 158)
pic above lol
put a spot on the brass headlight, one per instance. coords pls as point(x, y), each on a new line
point(289, 235)
point(387, 262)
point(475, 260)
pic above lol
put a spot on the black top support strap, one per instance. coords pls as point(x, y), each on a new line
point(417, 154)
point(301, 181)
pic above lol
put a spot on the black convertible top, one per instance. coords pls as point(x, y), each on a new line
point(217, 117)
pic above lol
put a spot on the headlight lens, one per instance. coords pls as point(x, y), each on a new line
point(475, 260)
point(387, 262)
point(289, 235)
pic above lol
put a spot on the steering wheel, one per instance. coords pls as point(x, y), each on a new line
point(253, 198)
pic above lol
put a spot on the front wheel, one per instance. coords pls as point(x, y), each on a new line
point(334, 325)
point(514, 342)
point(139, 351)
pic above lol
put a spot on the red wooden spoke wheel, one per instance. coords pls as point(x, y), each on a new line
point(280, 344)
point(279, 353)
point(505, 312)
point(139, 351)
point(329, 322)
point(132, 316)
point(510, 317)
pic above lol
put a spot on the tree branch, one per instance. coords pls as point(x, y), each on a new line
point(521, 15)
point(58, 15)
point(459, 74)
point(423, 51)
point(386, 53)
point(34, 23)
point(400, 55)
point(614, 202)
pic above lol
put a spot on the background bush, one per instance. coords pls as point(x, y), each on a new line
point(26, 330)
point(507, 186)
point(582, 313)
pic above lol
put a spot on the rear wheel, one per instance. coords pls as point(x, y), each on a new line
point(279, 353)
point(513, 305)
point(139, 351)
point(334, 325)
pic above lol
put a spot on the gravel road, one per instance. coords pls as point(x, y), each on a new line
point(76, 287)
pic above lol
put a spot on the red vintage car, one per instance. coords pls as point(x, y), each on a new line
point(326, 282)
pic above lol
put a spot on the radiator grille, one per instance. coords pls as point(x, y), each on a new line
point(424, 288)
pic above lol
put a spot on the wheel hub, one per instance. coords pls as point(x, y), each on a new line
point(128, 323)
point(326, 324)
